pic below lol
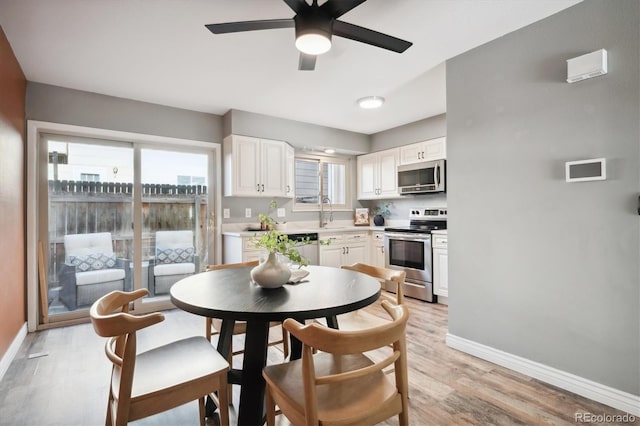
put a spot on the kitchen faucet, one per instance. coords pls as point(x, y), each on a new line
point(323, 218)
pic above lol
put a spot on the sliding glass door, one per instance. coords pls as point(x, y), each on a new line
point(174, 217)
point(107, 201)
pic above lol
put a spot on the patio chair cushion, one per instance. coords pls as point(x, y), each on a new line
point(93, 261)
point(100, 276)
point(174, 255)
point(174, 269)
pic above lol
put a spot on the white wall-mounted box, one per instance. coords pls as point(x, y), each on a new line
point(586, 170)
point(587, 66)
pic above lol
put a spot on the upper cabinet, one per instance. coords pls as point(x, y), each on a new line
point(377, 176)
point(291, 171)
point(256, 167)
point(433, 149)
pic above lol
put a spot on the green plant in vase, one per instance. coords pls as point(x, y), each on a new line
point(272, 273)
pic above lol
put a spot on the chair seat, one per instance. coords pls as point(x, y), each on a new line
point(336, 401)
point(156, 369)
point(174, 269)
point(359, 320)
point(99, 276)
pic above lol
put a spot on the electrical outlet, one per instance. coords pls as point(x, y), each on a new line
point(280, 212)
point(226, 213)
point(247, 212)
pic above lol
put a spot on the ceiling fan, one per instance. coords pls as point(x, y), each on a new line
point(314, 25)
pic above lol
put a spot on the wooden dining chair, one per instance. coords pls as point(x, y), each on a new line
point(361, 319)
point(214, 325)
point(340, 384)
point(159, 379)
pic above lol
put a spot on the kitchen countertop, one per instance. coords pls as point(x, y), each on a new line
point(327, 230)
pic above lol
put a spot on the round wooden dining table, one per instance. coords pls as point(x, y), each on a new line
point(229, 294)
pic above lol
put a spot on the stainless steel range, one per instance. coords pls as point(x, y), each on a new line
point(409, 249)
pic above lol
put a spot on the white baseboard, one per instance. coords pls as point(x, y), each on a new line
point(579, 385)
point(8, 357)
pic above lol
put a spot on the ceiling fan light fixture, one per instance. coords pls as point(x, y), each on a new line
point(313, 43)
point(313, 32)
point(371, 102)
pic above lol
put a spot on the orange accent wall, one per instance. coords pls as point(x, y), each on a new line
point(13, 87)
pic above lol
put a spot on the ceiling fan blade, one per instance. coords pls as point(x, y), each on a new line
point(337, 8)
point(235, 27)
point(307, 62)
point(365, 35)
point(296, 5)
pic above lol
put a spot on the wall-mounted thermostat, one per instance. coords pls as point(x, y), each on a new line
point(584, 170)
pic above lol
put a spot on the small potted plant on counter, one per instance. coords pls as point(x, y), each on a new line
point(381, 212)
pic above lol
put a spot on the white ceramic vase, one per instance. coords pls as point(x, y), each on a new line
point(271, 273)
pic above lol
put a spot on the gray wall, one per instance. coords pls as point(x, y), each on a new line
point(541, 268)
point(68, 106)
point(418, 131)
point(298, 134)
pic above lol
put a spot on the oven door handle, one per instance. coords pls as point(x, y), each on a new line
point(404, 237)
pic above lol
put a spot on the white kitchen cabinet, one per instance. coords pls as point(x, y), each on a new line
point(240, 249)
point(290, 165)
point(440, 266)
point(377, 249)
point(377, 175)
point(255, 167)
point(433, 149)
point(344, 249)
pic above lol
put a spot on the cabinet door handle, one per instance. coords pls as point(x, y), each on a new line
point(263, 187)
point(343, 250)
point(258, 187)
point(288, 189)
point(347, 250)
point(382, 249)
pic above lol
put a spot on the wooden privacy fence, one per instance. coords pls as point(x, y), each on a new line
point(86, 207)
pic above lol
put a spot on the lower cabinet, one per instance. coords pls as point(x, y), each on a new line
point(440, 266)
point(377, 250)
point(344, 249)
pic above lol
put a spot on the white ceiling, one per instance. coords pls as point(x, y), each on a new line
point(159, 51)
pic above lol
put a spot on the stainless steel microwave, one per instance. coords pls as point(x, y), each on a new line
point(421, 178)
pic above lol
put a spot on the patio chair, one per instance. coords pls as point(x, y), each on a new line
point(90, 269)
point(340, 384)
point(161, 378)
point(174, 260)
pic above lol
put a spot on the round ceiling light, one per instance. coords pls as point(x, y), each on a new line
point(371, 102)
point(313, 43)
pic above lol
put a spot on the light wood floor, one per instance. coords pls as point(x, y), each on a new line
point(68, 385)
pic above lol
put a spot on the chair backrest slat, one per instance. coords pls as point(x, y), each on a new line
point(231, 265)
